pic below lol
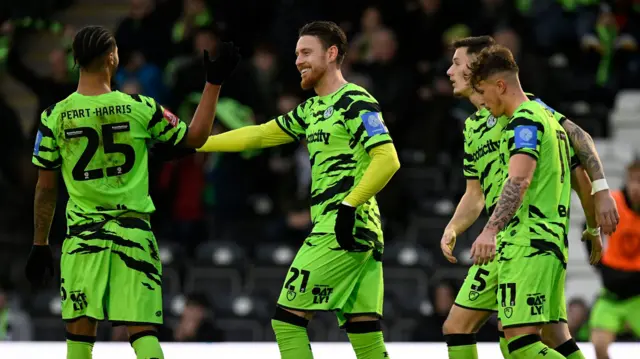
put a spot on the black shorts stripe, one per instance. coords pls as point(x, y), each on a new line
point(476, 309)
point(144, 267)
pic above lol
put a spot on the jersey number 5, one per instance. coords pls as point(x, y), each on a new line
point(80, 172)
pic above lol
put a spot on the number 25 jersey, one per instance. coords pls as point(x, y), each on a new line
point(100, 145)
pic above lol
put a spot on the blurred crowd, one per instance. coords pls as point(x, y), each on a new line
point(575, 54)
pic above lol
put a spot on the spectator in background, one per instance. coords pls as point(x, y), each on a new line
point(15, 325)
point(578, 318)
point(370, 22)
point(195, 14)
point(197, 322)
point(147, 75)
point(144, 30)
point(49, 89)
point(442, 298)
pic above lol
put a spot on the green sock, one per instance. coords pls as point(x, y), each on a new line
point(146, 347)
point(504, 348)
point(79, 350)
point(292, 339)
point(461, 346)
point(368, 345)
point(570, 350)
point(531, 347)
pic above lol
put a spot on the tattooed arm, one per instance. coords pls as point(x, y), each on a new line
point(605, 206)
point(585, 148)
point(521, 169)
point(45, 205)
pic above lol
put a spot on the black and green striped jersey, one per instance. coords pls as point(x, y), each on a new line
point(482, 132)
point(340, 129)
point(100, 145)
point(542, 221)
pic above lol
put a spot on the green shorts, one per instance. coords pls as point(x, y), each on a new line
point(323, 277)
point(612, 315)
point(478, 291)
point(112, 273)
point(530, 286)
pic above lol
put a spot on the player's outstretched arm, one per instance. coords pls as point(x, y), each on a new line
point(582, 185)
point(582, 143)
point(467, 212)
point(218, 70)
point(247, 138)
point(521, 169)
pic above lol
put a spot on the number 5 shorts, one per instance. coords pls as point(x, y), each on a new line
point(324, 277)
point(112, 272)
point(478, 291)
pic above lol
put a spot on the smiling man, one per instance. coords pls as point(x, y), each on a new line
point(339, 267)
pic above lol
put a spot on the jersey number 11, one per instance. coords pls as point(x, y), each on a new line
point(80, 172)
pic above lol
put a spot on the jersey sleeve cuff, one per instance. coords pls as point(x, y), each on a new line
point(471, 177)
point(532, 155)
point(368, 148)
point(296, 138)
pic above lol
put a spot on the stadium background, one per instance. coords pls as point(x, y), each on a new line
point(228, 224)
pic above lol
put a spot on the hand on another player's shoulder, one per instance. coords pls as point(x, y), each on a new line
point(483, 250)
point(448, 243)
point(596, 246)
point(220, 67)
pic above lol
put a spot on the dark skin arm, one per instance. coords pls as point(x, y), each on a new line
point(44, 205)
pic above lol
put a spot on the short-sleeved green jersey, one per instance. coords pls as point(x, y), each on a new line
point(340, 129)
point(482, 133)
point(542, 221)
point(100, 144)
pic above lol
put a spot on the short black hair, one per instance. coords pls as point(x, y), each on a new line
point(490, 61)
point(330, 34)
point(474, 44)
point(90, 44)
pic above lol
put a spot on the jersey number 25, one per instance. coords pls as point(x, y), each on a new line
point(80, 172)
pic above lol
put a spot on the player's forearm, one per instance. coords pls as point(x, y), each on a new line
point(467, 212)
point(582, 186)
point(44, 209)
point(247, 138)
point(510, 200)
point(202, 121)
point(585, 150)
point(384, 164)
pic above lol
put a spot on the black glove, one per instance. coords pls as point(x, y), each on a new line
point(345, 223)
point(163, 152)
point(39, 269)
point(220, 68)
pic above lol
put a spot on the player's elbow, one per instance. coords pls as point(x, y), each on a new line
point(523, 182)
point(196, 139)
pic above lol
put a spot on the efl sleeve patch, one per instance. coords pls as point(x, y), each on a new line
point(373, 123)
point(526, 137)
point(36, 147)
point(170, 117)
point(545, 105)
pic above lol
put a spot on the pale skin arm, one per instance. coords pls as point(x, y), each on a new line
point(582, 185)
point(606, 211)
point(467, 212)
point(521, 169)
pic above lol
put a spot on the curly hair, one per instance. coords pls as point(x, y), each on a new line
point(490, 61)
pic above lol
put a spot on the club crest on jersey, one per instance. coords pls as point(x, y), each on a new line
point(373, 123)
point(491, 121)
point(171, 118)
point(328, 112)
